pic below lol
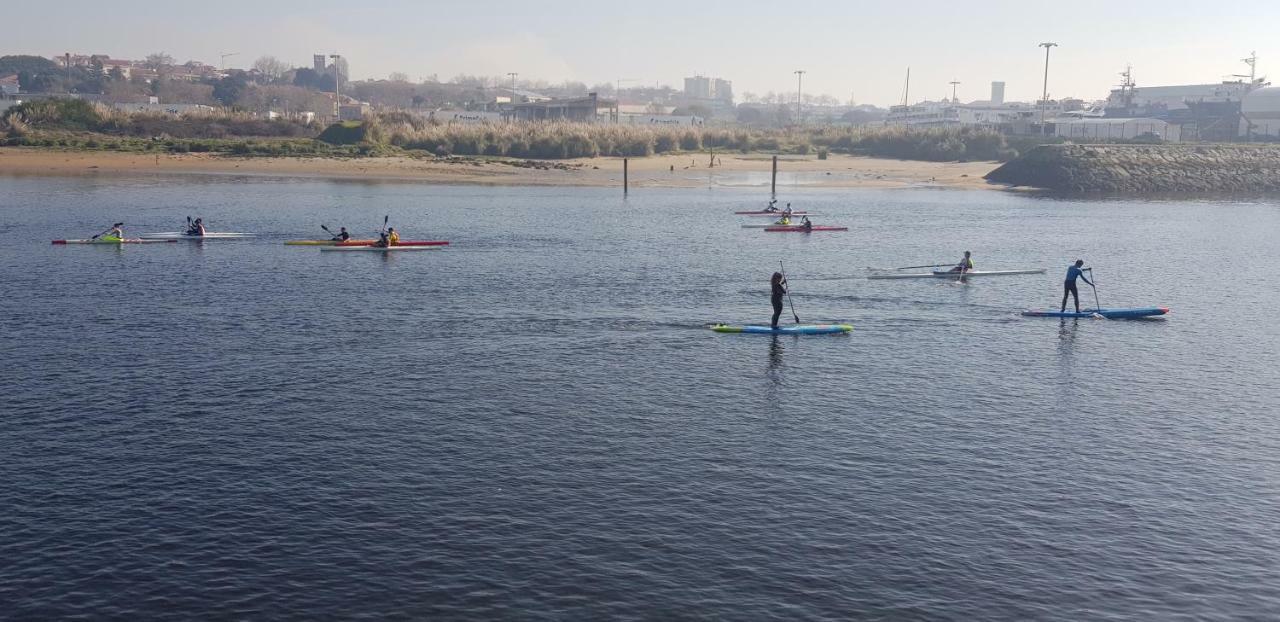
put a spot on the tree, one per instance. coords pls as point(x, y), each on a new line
point(398, 76)
point(158, 62)
point(271, 67)
point(116, 74)
point(34, 65)
point(230, 88)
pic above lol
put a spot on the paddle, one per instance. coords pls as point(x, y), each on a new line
point(1097, 306)
point(119, 224)
point(934, 265)
point(787, 288)
point(385, 219)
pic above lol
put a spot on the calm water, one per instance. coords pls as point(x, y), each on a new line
point(536, 424)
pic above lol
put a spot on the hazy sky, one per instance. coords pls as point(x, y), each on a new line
point(849, 48)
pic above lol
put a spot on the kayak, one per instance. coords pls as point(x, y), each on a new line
point(1110, 314)
point(799, 229)
point(363, 243)
point(379, 249)
point(775, 214)
point(180, 235)
point(795, 329)
point(763, 226)
point(943, 274)
point(113, 241)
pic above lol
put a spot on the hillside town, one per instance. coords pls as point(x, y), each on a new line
point(1245, 108)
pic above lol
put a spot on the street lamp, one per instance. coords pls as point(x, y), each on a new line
point(1044, 98)
point(799, 100)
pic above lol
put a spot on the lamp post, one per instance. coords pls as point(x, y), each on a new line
point(799, 98)
point(1044, 98)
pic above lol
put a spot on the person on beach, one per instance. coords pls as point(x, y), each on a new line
point(778, 285)
point(196, 228)
point(1074, 271)
point(965, 264)
point(393, 238)
point(342, 236)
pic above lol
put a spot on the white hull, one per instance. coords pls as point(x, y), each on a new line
point(179, 235)
point(954, 275)
point(376, 249)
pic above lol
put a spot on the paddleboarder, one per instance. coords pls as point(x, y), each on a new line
point(965, 264)
point(342, 236)
point(1074, 271)
point(778, 285)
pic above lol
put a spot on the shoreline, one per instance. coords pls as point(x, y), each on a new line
point(661, 171)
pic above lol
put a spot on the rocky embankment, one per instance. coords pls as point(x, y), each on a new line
point(1145, 169)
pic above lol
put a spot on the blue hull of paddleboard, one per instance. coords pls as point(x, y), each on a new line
point(1110, 314)
point(795, 329)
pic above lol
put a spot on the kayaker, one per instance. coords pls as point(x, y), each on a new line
point(785, 220)
point(1074, 271)
point(806, 223)
point(393, 238)
point(965, 264)
point(384, 240)
point(116, 232)
point(196, 228)
point(342, 236)
point(773, 206)
point(787, 212)
point(778, 285)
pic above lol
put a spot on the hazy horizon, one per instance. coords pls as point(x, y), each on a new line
point(847, 52)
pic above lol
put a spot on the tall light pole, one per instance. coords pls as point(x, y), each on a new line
point(337, 85)
point(799, 99)
point(954, 84)
point(513, 94)
point(222, 64)
point(1044, 98)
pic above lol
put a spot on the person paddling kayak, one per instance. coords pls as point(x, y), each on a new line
point(393, 238)
point(116, 234)
point(773, 206)
point(778, 285)
point(965, 264)
point(785, 220)
point(342, 236)
point(1074, 271)
point(806, 223)
point(196, 228)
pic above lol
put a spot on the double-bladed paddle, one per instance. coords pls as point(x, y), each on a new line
point(119, 224)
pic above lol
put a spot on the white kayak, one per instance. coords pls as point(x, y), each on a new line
point(182, 235)
point(116, 241)
point(376, 249)
point(766, 225)
point(952, 275)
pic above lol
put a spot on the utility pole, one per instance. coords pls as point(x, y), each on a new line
point(953, 84)
point(337, 85)
point(617, 98)
point(223, 63)
point(1044, 98)
point(799, 98)
point(513, 94)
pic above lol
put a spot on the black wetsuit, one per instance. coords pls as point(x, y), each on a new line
point(1069, 287)
point(778, 292)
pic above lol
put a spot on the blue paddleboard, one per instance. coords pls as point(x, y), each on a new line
point(794, 329)
point(1110, 314)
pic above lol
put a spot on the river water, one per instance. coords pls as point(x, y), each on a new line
point(535, 423)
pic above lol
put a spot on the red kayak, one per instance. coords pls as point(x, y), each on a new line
point(797, 229)
point(400, 243)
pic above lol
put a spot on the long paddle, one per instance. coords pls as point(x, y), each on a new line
point(787, 288)
point(1097, 306)
point(119, 224)
point(932, 265)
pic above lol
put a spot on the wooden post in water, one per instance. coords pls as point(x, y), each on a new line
point(773, 182)
point(625, 180)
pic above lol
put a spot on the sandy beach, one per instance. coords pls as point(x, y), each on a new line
point(667, 171)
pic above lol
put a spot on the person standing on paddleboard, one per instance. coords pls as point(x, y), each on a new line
point(778, 285)
point(965, 265)
point(1074, 271)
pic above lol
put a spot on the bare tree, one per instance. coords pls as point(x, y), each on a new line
point(398, 76)
point(158, 62)
point(271, 67)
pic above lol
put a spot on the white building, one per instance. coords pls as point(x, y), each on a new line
point(1260, 113)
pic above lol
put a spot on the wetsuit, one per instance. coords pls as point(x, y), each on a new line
point(779, 290)
point(342, 237)
point(383, 241)
point(1069, 286)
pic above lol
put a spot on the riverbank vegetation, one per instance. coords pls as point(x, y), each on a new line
point(76, 124)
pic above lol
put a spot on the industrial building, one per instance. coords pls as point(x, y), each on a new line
point(580, 109)
point(1260, 113)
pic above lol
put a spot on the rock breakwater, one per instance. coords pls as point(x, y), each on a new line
point(1145, 169)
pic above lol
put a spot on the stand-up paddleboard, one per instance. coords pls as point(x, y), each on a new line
point(114, 241)
point(379, 249)
point(947, 274)
point(181, 235)
point(1110, 314)
point(364, 243)
point(801, 229)
point(794, 329)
